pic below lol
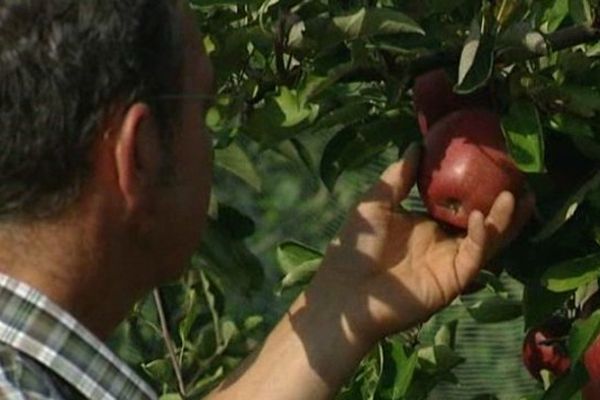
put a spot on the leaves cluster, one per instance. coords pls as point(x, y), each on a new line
point(327, 84)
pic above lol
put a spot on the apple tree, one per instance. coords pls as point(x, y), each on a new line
point(313, 94)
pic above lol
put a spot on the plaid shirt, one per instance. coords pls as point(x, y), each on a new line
point(46, 354)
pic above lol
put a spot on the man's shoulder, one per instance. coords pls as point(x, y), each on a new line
point(23, 378)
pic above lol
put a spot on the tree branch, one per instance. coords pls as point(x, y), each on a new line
point(556, 41)
point(169, 342)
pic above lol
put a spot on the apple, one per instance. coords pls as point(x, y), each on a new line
point(434, 98)
point(591, 391)
point(591, 359)
point(465, 166)
point(544, 347)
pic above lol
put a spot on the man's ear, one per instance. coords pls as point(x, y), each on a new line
point(138, 155)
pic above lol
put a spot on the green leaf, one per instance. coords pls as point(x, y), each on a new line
point(171, 396)
point(300, 275)
point(492, 282)
point(349, 113)
point(235, 160)
point(523, 132)
point(399, 365)
point(324, 32)
point(376, 21)
point(439, 358)
point(554, 16)
point(281, 117)
point(294, 108)
point(292, 255)
point(582, 335)
point(446, 335)
point(571, 274)
point(567, 385)
point(238, 225)
point(159, 370)
point(571, 125)
point(304, 155)
point(495, 309)
point(191, 313)
point(201, 386)
point(567, 209)
point(476, 61)
point(354, 146)
point(228, 261)
point(581, 11)
point(582, 100)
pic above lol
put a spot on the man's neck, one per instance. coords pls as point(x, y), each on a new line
point(59, 260)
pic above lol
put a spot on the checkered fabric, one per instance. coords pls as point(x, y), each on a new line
point(46, 354)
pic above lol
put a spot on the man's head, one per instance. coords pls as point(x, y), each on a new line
point(65, 65)
point(102, 108)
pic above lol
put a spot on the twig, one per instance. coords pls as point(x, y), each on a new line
point(169, 342)
point(558, 40)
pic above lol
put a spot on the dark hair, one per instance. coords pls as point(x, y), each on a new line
point(64, 64)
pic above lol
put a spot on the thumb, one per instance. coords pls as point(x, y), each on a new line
point(396, 181)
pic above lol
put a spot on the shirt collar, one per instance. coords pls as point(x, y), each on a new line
point(31, 323)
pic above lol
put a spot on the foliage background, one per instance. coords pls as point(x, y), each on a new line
point(313, 102)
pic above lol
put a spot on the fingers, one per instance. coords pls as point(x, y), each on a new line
point(522, 214)
point(397, 180)
point(486, 236)
point(471, 250)
point(507, 218)
point(499, 218)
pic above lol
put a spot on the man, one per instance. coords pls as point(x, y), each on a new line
point(104, 185)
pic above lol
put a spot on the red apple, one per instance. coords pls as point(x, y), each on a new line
point(465, 166)
point(544, 347)
point(434, 98)
point(591, 359)
point(591, 391)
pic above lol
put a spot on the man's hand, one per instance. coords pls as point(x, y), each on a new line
point(387, 271)
point(390, 269)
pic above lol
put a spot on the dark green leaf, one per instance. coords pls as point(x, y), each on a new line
point(568, 209)
point(571, 125)
point(568, 385)
point(476, 61)
point(356, 145)
point(583, 333)
point(159, 370)
point(399, 365)
point(439, 358)
point(324, 32)
point(581, 11)
point(569, 275)
point(495, 309)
